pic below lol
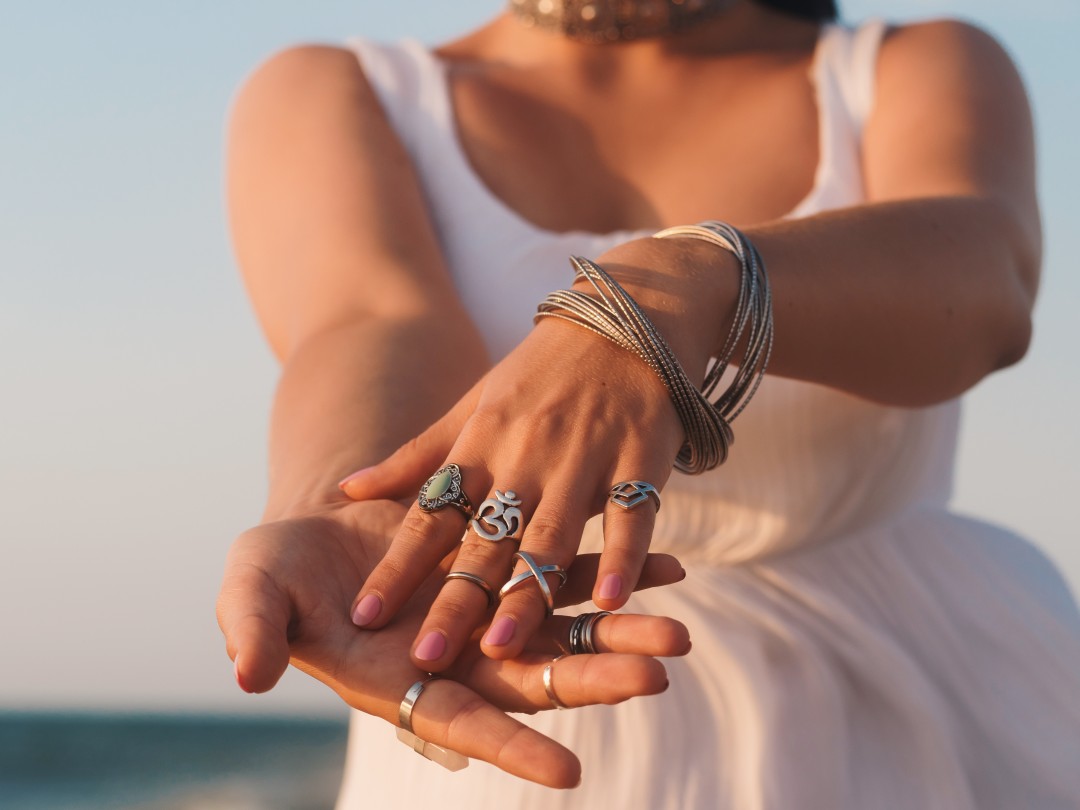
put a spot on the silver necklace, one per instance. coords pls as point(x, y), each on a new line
point(615, 20)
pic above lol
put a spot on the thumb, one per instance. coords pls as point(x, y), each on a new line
point(402, 473)
point(253, 613)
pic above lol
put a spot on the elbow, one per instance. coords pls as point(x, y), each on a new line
point(1012, 326)
point(1015, 341)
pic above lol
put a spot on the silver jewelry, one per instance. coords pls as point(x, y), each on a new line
point(549, 687)
point(501, 513)
point(535, 572)
point(489, 592)
point(444, 489)
point(631, 494)
point(581, 632)
point(753, 310)
point(615, 20)
point(614, 315)
point(451, 760)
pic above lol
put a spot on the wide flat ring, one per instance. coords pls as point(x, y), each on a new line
point(549, 687)
point(489, 592)
point(535, 572)
point(630, 494)
point(582, 641)
point(451, 760)
point(444, 489)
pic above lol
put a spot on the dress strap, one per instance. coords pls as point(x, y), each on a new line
point(851, 60)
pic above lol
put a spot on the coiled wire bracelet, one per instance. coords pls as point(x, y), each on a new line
point(613, 314)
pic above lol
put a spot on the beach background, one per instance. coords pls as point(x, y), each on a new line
point(135, 389)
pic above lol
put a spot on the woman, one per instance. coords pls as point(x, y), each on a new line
point(400, 213)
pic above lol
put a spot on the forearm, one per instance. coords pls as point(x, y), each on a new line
point(906, 303)
point(349, 396)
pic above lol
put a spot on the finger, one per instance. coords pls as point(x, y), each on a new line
point(551, 538)
point(452, 715)
point(253, 614)
point(485, 556)
point(406, 469)
point(423, 540)
point(659, 570)
point(581, 680)
point(627, 633)
point(629, 519)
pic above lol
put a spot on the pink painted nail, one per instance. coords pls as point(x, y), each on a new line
point(366, 610)
point(501, 632)
point(352, 477)
point(611, 587)
point(432, 647)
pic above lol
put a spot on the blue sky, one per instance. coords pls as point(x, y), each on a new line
point(135, 386)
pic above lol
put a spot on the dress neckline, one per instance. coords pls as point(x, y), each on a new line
point(463, 167)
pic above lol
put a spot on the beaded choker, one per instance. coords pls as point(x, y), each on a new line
point(615, 20)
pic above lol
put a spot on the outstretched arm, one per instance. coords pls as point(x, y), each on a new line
point(345, 273)
point(908, 300)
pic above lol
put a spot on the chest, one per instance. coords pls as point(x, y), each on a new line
point(740, 145)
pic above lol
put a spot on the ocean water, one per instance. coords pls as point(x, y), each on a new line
point(168, 762)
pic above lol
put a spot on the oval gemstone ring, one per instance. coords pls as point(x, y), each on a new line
point(444, 489)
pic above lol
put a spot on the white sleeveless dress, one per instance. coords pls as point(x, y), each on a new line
point(856, 645)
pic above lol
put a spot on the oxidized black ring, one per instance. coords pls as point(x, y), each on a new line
point(444, 489)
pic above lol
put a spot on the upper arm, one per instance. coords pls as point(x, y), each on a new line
point(327, 217)
point(952, 118)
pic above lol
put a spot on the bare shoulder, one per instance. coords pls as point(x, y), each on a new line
point(950, 116)
point(324, 203)
point(946, 46)
point(303, 80)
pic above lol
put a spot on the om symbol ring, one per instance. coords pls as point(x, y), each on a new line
point(498, 517)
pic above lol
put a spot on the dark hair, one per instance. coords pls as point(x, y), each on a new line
point(818, 10)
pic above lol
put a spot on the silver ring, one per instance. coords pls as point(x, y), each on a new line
point(406, 708)
point(451, 760)
point(489, 592)
point(501, 514)
point(535, 572)
point(581, 632)
point(444, 489)
point(629, 494)
point(549, 687)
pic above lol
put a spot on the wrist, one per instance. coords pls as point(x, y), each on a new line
point(687, 287)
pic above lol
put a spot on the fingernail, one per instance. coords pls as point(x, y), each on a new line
point(366, 610)
point(500, 632)
point(611, 587)
point(236, 673)
point(432, 647)
point(352, 477)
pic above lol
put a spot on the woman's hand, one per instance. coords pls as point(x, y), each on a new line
point(286, 595)
point(557, 423)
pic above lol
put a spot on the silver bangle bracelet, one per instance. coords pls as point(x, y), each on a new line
point(614, 315)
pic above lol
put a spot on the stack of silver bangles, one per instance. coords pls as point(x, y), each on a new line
point(617, 317)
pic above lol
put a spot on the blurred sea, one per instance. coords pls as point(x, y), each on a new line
point(168, 762)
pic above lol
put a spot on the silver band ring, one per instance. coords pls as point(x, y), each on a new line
point(498, 517)
point(535, 572)
point(630, 494)
point(451, 760)
point(581, 632)
point(405, 710)
point(489, 592)
point(549, 687)
point(444, 489)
